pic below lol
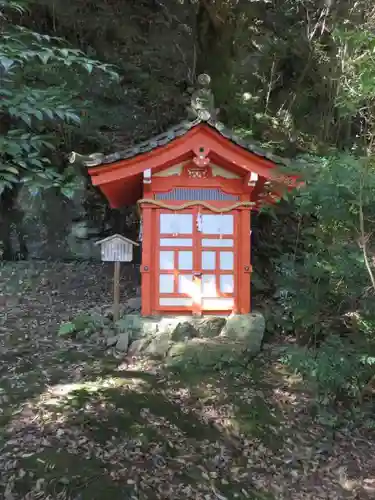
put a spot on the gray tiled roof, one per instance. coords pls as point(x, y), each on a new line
point(173, 133)
point(150, 144)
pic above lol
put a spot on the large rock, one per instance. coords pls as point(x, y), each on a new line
point(168, 324)
point(131, 323)
point(159, 345)
point(177, 349)
point(212, 353)
point(149, 327)
point(133, 304)
point(210, 327)
point(248, 328)
point(111, 341)
point(184, 330)
point(138, 347)
point(123, 342)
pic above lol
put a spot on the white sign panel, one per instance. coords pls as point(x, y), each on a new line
point(116, 248)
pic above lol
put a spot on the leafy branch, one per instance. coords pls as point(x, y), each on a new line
point(28, 111)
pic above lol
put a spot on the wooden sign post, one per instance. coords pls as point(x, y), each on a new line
point(116, 291)
point(116, 249)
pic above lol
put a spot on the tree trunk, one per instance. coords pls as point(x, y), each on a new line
point(11, 217)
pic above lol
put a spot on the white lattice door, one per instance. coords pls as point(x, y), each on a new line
point(196, 260)
point(217, 261)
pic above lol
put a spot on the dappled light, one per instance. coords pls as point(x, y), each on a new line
point(56, 395)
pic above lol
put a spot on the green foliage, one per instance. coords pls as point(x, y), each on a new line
point(326, 276)
point(67, 329)
point(324, 282)
point(34, 102)
point(335, 370)
point(84, 324)
point(356, 50)
point(366, 324)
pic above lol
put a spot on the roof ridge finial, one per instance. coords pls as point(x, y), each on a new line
point(202, 100)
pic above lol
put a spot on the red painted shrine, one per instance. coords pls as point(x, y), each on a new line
point(196, 186)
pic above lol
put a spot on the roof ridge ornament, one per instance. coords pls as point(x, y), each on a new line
point(202, 100)
point(90, 160)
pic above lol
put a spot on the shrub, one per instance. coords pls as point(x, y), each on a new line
point(85, 324)
point(336, 370)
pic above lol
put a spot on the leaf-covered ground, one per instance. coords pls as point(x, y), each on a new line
point(77, 423)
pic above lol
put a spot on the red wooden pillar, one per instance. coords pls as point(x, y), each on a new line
point(250, 239)
point(244, 270)
point(147, 260)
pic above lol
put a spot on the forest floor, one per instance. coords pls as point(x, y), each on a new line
point(79, 423)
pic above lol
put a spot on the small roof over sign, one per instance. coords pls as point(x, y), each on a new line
point(117, 237)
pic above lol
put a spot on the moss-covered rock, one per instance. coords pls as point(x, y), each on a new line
point(129, 323)
point(208, 353)
point(177, 349)
point(122, 343)
point(184, 330)
point(137, 347)
point(210, 327)
point(248, 328)
point(159, 345)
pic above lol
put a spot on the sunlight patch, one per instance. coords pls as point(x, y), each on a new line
point(369, 485)
point(285, 397)
point(53, 395)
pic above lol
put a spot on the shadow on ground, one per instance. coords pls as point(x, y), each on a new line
point(118, 433)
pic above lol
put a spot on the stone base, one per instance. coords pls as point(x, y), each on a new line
point(187, 340)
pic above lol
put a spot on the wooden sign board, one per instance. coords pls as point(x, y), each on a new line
point(116, 248)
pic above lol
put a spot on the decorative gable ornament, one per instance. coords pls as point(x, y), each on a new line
point(116, 248)
point(202, 105)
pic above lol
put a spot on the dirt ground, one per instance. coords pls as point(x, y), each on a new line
point(79, 423)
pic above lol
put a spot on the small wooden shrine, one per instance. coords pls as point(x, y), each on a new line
point(196, 185)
